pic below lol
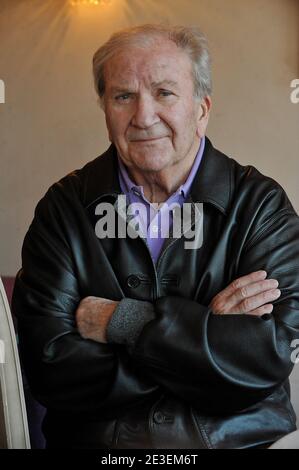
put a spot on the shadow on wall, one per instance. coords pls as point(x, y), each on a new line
point(134, 9)
point(6, 6)
point(47, 22)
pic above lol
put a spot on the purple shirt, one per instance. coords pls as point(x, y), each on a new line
point(154, 222)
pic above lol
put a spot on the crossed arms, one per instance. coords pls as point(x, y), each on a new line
point(222, 357)
point(251, 294)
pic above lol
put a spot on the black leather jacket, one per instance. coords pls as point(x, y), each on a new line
point(193, 379)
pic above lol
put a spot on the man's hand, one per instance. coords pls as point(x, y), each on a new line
point(251, 294)
point(93, 316)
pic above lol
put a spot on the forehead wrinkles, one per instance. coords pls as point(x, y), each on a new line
point(133, 66)
point(148, 77)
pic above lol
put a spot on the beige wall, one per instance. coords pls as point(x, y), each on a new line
point(51, 123)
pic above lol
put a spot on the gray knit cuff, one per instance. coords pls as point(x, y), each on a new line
point(128, 320)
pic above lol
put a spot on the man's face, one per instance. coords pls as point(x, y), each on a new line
point(152, 115)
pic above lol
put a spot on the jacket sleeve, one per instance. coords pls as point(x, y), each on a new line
point(225, 363)
point(65, 372)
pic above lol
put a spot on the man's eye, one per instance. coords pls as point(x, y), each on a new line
point(165, 93)
point(123, 97)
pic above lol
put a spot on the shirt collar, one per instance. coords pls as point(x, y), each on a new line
point(213, 184)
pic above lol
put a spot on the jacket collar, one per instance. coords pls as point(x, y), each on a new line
point(212, 183)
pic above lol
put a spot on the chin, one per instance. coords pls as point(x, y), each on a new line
point(152, 157)
point(152, 161)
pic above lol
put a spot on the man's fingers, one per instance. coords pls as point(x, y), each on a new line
point(261, 310)
point(256, 301)
point(250, 294)
point(242, 282)
point(250, 290)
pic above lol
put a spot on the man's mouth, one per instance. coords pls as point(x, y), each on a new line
point(148, 139)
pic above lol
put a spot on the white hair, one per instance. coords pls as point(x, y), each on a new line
point(188, 38)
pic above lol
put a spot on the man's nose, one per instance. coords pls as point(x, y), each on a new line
point(145, 113)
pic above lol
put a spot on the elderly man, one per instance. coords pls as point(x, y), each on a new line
point(131, 339)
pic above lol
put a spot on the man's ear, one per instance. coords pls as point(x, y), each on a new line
point(203, 116)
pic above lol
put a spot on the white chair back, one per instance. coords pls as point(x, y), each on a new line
point(290, 441)
point(14, 432)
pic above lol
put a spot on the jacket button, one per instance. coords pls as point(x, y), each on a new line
point(133, 281)
point(158, 417)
